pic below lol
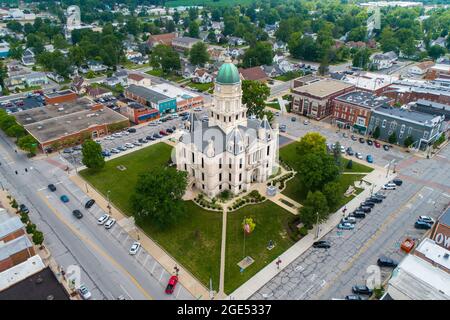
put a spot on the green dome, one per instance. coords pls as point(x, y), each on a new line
point(228, 74)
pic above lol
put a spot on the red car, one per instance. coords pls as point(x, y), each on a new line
point(163, 133)
point(172, 284)
point(377, 144)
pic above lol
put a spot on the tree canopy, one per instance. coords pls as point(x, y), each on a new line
point(92, 155)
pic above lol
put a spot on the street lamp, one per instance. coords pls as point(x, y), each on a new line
point(109, 205)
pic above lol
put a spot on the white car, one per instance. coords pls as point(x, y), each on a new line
point(174, 115)
point(129, 145)
point(389, 186)
point(197, 109)
point(358, 155)
point(153, 124)
point(426, 219)
point(134, 248)
point(84, 292)
point(342, 149)
point(109, 138)
point(103, 219)
point(109, 224)
point(126, 133)
point(137, 143)
point(306, 122)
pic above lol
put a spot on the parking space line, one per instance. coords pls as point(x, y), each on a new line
point(162, 273)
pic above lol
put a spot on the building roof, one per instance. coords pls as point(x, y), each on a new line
point(228, 74)
point(96, 91)
point(186, 40)
point(439, 255)
point(255, 73)
point(369, 80)
point(172, 91)
point(14, 246)
point(408, 115)
point(364, 99)
point(441, 67)
point(165, 38)
point(36, 285)
point(445, 217)
point(135, 77)
point(49, 124)
point(9, 224)
point(323, 88)
point(424, 65)
point(419, 280)
point(434, 105)
point(147, 94)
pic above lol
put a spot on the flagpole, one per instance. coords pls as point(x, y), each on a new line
point(244, 237)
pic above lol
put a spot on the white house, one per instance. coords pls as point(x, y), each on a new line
point(229, 152)
point(382, 61)
point(202, 76)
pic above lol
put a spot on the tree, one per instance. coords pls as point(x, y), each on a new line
point(408, 141)
point(254, 95)
point(14, 26)
point(158, 197)
point(315, 209)
point(198, 55)
point(260, 54)
point(350, 164)
point(316, 170)
point(361, 59)
point(337, 154)
point(194, 30)
point(304, 47)
point(312, 142)
point(166, 58)
point(357, 34)
point(333, 193)
point(248, 225)
point(92, 155)
point(28, 143)
point(211, 37)
point(436, 51)
point(392, 138)
point(30, 228)
point(376, 133)
point(388, 40)
point(38, 237)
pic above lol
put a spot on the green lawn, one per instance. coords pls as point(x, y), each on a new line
point(271, 224)
point(121, 183)
point(294, 188)
point(155, 72)
point(289, 76)
point(274, 105)
point(211, 3)
point(194, 241)
point(201, 86)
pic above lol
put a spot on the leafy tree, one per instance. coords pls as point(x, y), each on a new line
point(251, 225)
point(92, 155)
point(303, 47)
point(166, 58)
point(158, 197)
point(30, 228)
point(315, 208)
point(316, 170)
point(176, 17)
point(28, 143)
point(350, 164)
point(388, 40)
point(260, 54)
point(337, 154)
point(408, 141)
point(312, 142)
point(38, 237)
point(361, 59)
point(333, 193)
point(14, 26)
point(392, 138)
point(436, 51)
point(198, 55)
point(357, 34)
point(254, 95)
point(194, 30)
point(211, 37)
point(60, 42)
point(376, 132)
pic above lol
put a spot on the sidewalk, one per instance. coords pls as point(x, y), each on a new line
point(188, 281)
point(377, 178)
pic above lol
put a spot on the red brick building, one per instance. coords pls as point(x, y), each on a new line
point(314, 100)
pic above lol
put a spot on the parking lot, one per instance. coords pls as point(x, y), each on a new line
point(298, 129)
point(73, 155)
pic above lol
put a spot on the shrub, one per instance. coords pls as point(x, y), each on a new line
point(24, 218)
point(378, 292)
point(31, 227)
point(303, 231)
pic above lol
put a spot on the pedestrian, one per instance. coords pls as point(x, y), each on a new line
point(15, 150)
point(26, 170)
point(16, 171)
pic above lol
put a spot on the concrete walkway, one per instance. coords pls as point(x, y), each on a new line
point(376, 179)
point(195, 287)
point(223, 248)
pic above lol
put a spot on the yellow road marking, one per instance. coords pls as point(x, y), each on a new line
point(94, 246)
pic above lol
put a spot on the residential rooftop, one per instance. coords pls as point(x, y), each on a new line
point(9, 224)
point(323, 88)
point(364, 99)
point(14, 246)
point(413, 116)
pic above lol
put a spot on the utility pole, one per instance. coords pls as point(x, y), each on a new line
point(109, 205)
point(317, 225)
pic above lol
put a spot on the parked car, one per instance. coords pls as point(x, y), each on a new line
point(358, 155)
point(114, 150)
point(422, 225)
point(389, 186)
point(23, 208)
point(369, 158)
point(64, 198)
point(84, 292)
point(106, 153)
point(137, 143)
point(77, 148)
point(129, 145)
point(369, 142)
point(103, 219)
point(398, 181)
point(283, 128)
point(349, 219)
point(374, 199)
point(353, 297)
point(142, 140)
point(354, 138)
point(131, 130)
point(368, 204)
point(380, 195)
point(361, 140)
point(386, 147)
point(172, 284)
point(322, 244)
point(345, 135)
point(163, 133)
point(169, 130)
point(157, 136)
point(89, 203)
point(109, 224)
point(386, 262)
point(306, 122)
point(365, 209)
point(122, 148)
point(361, 289)
point(77, 213)
point(377, 144)
point(426, 219)
point(358, 214)
point(149, 138)
point(293, 119)
point(350, 151)
point(68, 150)
point(346, 226)
point(51, 187)
point(134, 248)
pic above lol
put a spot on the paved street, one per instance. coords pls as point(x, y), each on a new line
point(327, 274)
point(106, 267)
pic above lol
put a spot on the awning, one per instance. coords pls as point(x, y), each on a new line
point(359, 127)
